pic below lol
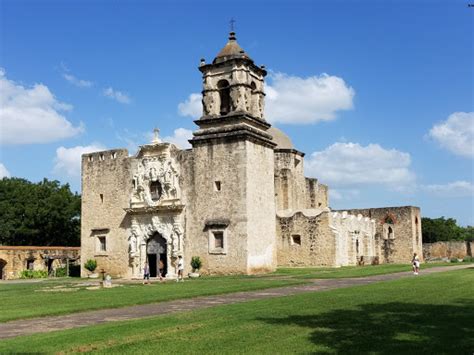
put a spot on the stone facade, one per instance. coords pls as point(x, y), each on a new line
point(238, 198)
point(15, 259)
point(397, 233)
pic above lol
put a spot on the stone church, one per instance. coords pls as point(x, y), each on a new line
point(238, 198)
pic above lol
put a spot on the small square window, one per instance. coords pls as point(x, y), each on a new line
point(296, 239)
point(218, 240)
point(217, 185)
point(102, 244)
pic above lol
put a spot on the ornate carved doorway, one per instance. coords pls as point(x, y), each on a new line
point(156, 252)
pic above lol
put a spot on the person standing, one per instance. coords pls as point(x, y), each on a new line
point(180, 268)
point(416, 264)
point(146, 273)
point(161, 268)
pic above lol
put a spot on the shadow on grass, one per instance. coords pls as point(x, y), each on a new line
point(392, 328)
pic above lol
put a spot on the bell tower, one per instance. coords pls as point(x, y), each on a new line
point(232, 217)
point(232, 97)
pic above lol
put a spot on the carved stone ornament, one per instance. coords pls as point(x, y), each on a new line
point(237, 95)
point(155, 181)
point(143, 228)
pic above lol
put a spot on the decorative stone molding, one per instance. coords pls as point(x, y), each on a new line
point(143, 227)
point(159, 168)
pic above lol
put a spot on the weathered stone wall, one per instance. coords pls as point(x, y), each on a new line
point(13, 259)
point(355, 238)
point(260, 209)
point(316, 194)
point(210, 210)
point(398, 232)
point(293, 191)
point(106, 189)
point(289, 179)
point(452, 249)
point(317, 244)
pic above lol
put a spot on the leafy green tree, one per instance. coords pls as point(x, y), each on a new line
point(444, 229)
point(45, 213)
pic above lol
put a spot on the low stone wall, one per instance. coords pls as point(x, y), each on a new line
point(457, 249)
point(15, 259)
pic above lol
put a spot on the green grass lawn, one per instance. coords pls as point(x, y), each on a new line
point(350, 271)
point(27, 300)
point(429, 314)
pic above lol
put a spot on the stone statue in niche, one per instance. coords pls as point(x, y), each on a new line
point(132, 241)
point(177, 242)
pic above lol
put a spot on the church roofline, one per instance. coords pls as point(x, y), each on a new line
point(287, 150)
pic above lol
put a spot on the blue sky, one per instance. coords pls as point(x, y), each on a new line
point(378, 94)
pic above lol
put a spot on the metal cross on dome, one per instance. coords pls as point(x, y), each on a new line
point(232, 23)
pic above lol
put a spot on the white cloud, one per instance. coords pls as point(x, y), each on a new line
point(350, 164)
point(3, 171)
point(32, 115)
point(192, 107)
point(180, 138)
point(452, 189)
point(343, 194)
point(456, 134)
point(292, 99)
point(116, 95)
point(68, 160)
point(77, 82)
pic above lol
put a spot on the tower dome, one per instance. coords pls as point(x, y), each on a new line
point(280, 138)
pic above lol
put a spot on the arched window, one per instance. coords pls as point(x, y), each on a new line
point(156, 190)
point(224, 95)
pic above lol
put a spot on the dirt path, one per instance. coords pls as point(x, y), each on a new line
point(49, 324)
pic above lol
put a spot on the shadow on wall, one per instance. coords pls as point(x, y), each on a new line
point(391, 328)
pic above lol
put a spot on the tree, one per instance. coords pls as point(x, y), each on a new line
point(442, 229)
point(45, 213)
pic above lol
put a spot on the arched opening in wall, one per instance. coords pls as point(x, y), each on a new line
point(254, 98)
point(3, 265)
point(390, 233)
point(224, 95)
point(156, 190)
point(156, 255)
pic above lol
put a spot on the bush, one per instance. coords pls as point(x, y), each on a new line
point(33, 274)
point(454, 260)
point(468, 259)
point(90, 265)
point(60, 272)
point(196, 263)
